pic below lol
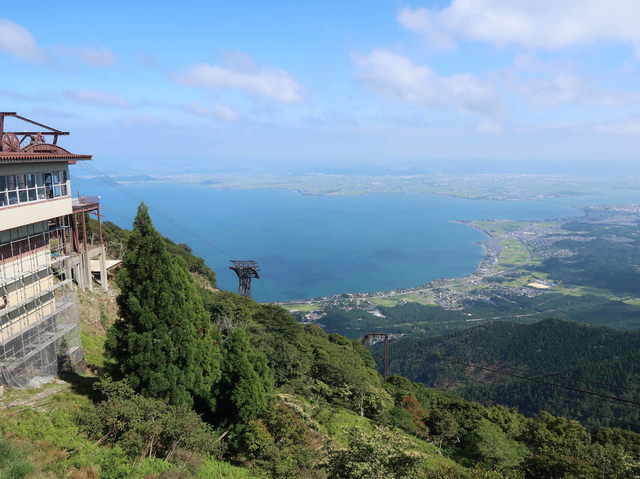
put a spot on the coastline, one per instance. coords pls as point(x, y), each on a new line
point(487, 257)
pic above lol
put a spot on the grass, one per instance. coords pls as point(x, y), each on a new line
point(500, 227)
point(93, 348)
point(414, 298)
point(384, 301)
point(302, 307)
point(514, 254)
point(213, 468)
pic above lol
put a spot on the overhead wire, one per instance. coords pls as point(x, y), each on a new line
point(126, 218)
point(583, 391)
point(551, 386)
point(594, 413)
point(562, 386)
point(114, 184)
point(571, 379)
point(264, 290)
point(115, 213)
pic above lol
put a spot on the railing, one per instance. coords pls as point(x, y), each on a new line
point(85, 200)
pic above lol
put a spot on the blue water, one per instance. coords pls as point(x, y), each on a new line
point(309, 246)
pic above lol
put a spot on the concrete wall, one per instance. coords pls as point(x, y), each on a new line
point(35, 167)
point(27, 213)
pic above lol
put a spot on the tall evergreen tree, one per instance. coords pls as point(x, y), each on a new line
point(242, 392)
point(163, 343)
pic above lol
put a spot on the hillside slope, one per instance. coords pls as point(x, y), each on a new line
point(562, 348)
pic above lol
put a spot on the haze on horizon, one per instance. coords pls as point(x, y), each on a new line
point(258, 85)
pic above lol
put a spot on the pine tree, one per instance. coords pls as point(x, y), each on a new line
point(242, 392)
point(163, 343)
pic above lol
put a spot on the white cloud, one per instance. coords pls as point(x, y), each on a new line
point(555, 84)
point(546, 24)
point(97, 98)
point(489, 126)
point(630, 127)
point(397, 77)
point(243, 74)
point(219, 111)
point(53, 113)
point(140, 120)
point(17, 41)
point(88, 55)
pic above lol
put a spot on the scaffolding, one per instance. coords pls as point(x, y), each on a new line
point(39, 321)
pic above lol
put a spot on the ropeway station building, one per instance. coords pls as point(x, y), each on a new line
point(41, 258)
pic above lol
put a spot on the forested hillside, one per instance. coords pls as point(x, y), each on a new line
point(196, 382)
point(590, 356)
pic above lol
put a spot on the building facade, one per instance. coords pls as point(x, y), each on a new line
point(39, 322)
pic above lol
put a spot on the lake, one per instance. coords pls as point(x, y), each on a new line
point(309, 246)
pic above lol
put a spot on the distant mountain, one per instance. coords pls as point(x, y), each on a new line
point(134, 178)
point(80, 183)
point(367, 170)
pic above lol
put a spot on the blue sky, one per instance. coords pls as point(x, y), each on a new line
point(216, 84)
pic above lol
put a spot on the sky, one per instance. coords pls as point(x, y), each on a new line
point(169, 84)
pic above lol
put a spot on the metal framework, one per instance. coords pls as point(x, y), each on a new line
point(11, 141)
point(39, 321)
point(245, 271)
point(82, 205)
point(372, 338)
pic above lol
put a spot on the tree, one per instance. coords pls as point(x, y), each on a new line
point(494, 448)
point(163, 343)
point(443, 424)
point(242, 392)
point(375, 454)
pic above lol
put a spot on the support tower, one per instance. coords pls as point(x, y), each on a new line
point(373, 338)
point(245, 271)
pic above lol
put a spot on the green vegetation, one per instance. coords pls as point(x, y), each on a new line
point(162, 345)
point(116, 238)
point(515, 254)
point(562, 348)
point(192, 381)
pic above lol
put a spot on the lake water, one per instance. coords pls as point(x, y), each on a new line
point(309, 246)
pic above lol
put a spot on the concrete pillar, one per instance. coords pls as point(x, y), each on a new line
point(78, 270)
point(104, 279)
point(86, 260)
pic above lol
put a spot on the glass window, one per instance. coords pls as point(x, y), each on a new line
point(56, 177)
point(32, 194)
point(64, 176)
point(3, 183)
point(31, 180)
point(3, 199)
point(56, 190)
point(13, 197)
point(41, 194)
point(63, 190)
point(22, 182)
point(11, 182)
point(47, 185)
point(39, 179)
point(22, 194)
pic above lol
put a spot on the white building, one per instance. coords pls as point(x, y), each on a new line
point(39, 324)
